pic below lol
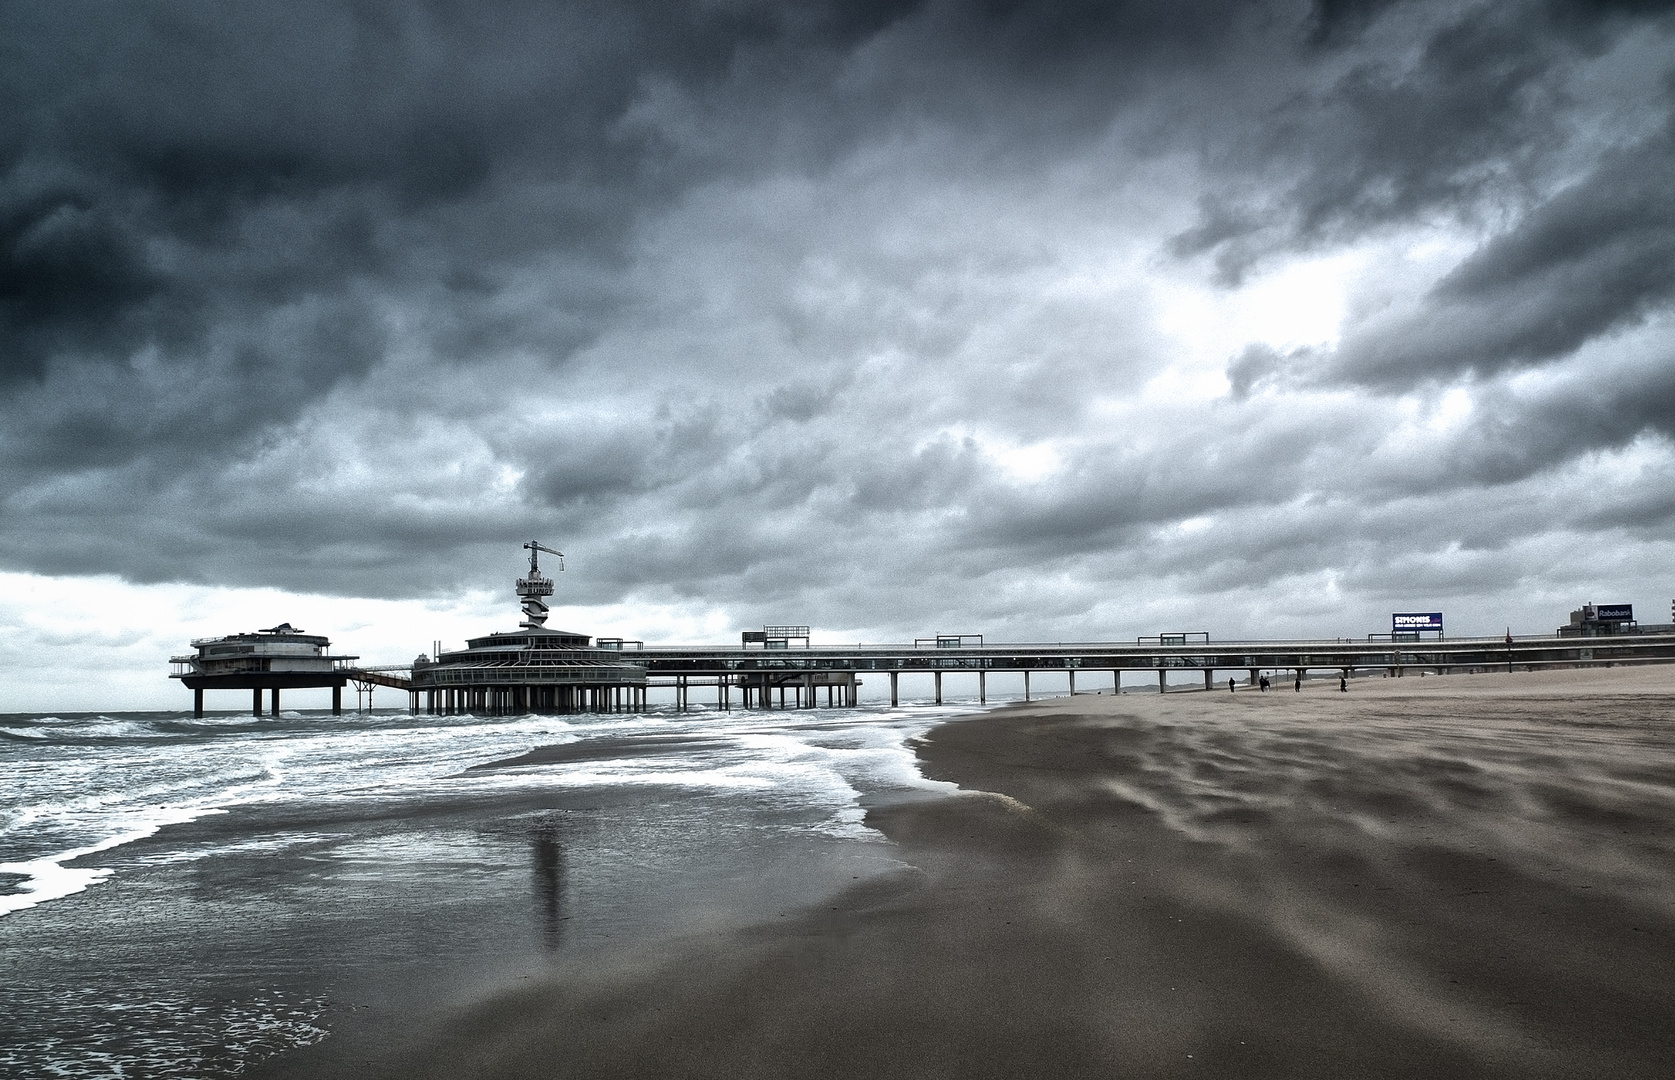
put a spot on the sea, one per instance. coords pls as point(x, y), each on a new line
point(187, 897)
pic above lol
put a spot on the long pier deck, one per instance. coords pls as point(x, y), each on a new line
point(1090, 666)
point(754, 677)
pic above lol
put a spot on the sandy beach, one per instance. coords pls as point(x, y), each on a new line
point(1455, 876)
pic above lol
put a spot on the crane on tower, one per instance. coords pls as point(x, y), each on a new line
point(535, 550)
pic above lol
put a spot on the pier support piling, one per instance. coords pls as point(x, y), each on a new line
point(895, 696)
point(1072, 682)
point(982, 688)
point(337, 701)
point(1162, 681)
point(198, 702)
point(1026, 684)
point(938, 678)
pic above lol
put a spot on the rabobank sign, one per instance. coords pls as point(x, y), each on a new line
point(1410, 621)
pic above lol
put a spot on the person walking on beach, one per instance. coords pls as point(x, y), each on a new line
point(1263, 685)
point(1343, 683)
point(1298, 686)
point(1232, 686)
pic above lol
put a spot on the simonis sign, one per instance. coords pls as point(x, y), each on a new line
point(1410, 621)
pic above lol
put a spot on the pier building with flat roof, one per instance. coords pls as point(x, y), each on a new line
point(278, 658)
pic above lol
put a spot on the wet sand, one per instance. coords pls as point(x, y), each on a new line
point(1457, 876)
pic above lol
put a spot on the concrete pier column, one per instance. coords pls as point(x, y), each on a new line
point(337, 700)
point(1026, 684)
point(982, 688)
point(895, 678)
point(1209, 678)
point(1163, 680)
point(1116, 682)
point(198, 701)
point(938, 678)
point(256, 702)
point(1253, 677)
point(276, 701)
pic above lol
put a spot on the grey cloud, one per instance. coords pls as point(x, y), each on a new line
point(1260, 366)
point(452, 244)
point(1594, 259)
point(1477, 119)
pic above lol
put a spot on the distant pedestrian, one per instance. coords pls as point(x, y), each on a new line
point(1343, 683)
point(1298, 686)
point(1232, 686)
point(1263, 685)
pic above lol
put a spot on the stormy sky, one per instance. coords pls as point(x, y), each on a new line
point(1047, 321)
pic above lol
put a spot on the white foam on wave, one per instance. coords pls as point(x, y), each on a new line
point(54, 729)
point(49, 879)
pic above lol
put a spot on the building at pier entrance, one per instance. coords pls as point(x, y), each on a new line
point(532, 668)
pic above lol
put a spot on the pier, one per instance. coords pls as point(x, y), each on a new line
point(555, 672)
point(540, 670)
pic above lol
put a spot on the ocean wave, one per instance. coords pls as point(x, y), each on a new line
point(129, 776)
point(48, 878)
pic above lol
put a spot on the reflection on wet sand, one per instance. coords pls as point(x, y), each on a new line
point(549, 881)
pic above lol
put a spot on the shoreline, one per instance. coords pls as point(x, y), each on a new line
point(1462, 875)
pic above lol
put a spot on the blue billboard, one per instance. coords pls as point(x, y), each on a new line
point(1614, 612)
point(1408, 621)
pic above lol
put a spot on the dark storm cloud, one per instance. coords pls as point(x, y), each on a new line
point(1471, 107)
point(169, 170)
point(753, 301)
point(1595, 258)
